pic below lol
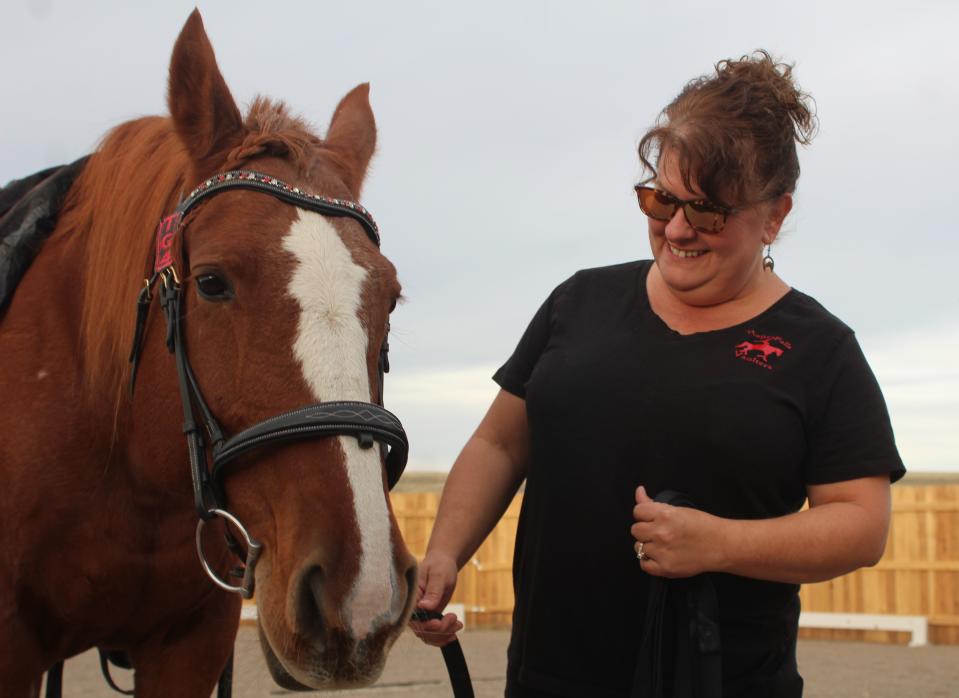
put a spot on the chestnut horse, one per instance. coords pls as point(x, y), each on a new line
point(282, 306)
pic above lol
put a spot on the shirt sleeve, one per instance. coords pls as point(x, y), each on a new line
point(850, 435)
point(515, 373)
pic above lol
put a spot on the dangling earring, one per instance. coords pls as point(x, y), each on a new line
point(768, 262)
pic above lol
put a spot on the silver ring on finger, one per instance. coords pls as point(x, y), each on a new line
point(640, 553)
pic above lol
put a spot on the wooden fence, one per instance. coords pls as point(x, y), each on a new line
point(918, 575)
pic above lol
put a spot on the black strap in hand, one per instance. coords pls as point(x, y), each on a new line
point(691, 607)
point(55, 681)
point(453, 656)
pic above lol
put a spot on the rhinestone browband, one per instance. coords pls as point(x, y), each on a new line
point(257, 180)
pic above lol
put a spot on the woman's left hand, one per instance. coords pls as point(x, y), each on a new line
point(676, 541)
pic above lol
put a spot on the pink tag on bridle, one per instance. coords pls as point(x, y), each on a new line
point(164, 244)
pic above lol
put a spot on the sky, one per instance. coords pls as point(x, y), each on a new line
point(507, 154)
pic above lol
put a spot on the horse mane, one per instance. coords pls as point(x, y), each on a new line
point(134, 178)
point(272, 130)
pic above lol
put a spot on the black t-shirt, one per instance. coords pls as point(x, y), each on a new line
point(741, 419)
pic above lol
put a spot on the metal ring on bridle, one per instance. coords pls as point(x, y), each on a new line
point(253, 549)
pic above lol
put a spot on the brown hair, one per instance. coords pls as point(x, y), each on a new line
point(735, 132)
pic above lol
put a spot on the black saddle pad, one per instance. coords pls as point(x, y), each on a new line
point(28, 214)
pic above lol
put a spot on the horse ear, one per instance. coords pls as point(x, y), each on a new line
point(352, 135)
point(205, 116)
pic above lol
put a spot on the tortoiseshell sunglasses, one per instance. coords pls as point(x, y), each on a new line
point(704, 216)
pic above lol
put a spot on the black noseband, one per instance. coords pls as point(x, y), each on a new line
point(364, 420)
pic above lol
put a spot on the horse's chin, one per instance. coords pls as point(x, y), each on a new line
point(330, 670)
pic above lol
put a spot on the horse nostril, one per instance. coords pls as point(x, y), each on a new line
point(309, 607)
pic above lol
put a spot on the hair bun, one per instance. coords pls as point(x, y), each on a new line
point(771, 83)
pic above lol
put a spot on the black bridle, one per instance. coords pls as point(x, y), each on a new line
point(367, 422)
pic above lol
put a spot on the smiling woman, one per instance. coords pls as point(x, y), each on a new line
point(678, 411)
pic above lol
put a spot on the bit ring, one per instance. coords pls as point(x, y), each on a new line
point(253, 549)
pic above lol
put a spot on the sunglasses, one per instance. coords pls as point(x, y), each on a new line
point(703, 216)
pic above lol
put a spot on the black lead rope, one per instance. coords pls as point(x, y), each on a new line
point(121, 660)
point(691, 608)
point(453, 656)
point(55, 680)
point(224, 688)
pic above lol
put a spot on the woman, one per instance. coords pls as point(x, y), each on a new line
point(699, 371)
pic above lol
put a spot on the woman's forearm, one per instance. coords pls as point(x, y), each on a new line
point(478, 490)
point(814, 545)
point(483, 481)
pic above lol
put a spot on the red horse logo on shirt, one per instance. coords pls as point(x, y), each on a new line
point(763, 347)
point(760, 347)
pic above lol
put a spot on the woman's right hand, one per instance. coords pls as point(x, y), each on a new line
point(437, 580)
point(479, 488)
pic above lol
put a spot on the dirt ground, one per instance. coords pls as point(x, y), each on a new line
point(831, 670)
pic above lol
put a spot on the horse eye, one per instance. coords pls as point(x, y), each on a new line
point(213, 287)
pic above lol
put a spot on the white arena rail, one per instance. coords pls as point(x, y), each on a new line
point(917, 626)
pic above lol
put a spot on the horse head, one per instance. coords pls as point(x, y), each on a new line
point(282, 306)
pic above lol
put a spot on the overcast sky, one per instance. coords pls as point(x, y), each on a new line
point(507, 135)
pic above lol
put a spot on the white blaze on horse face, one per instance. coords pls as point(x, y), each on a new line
point(331, 346)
